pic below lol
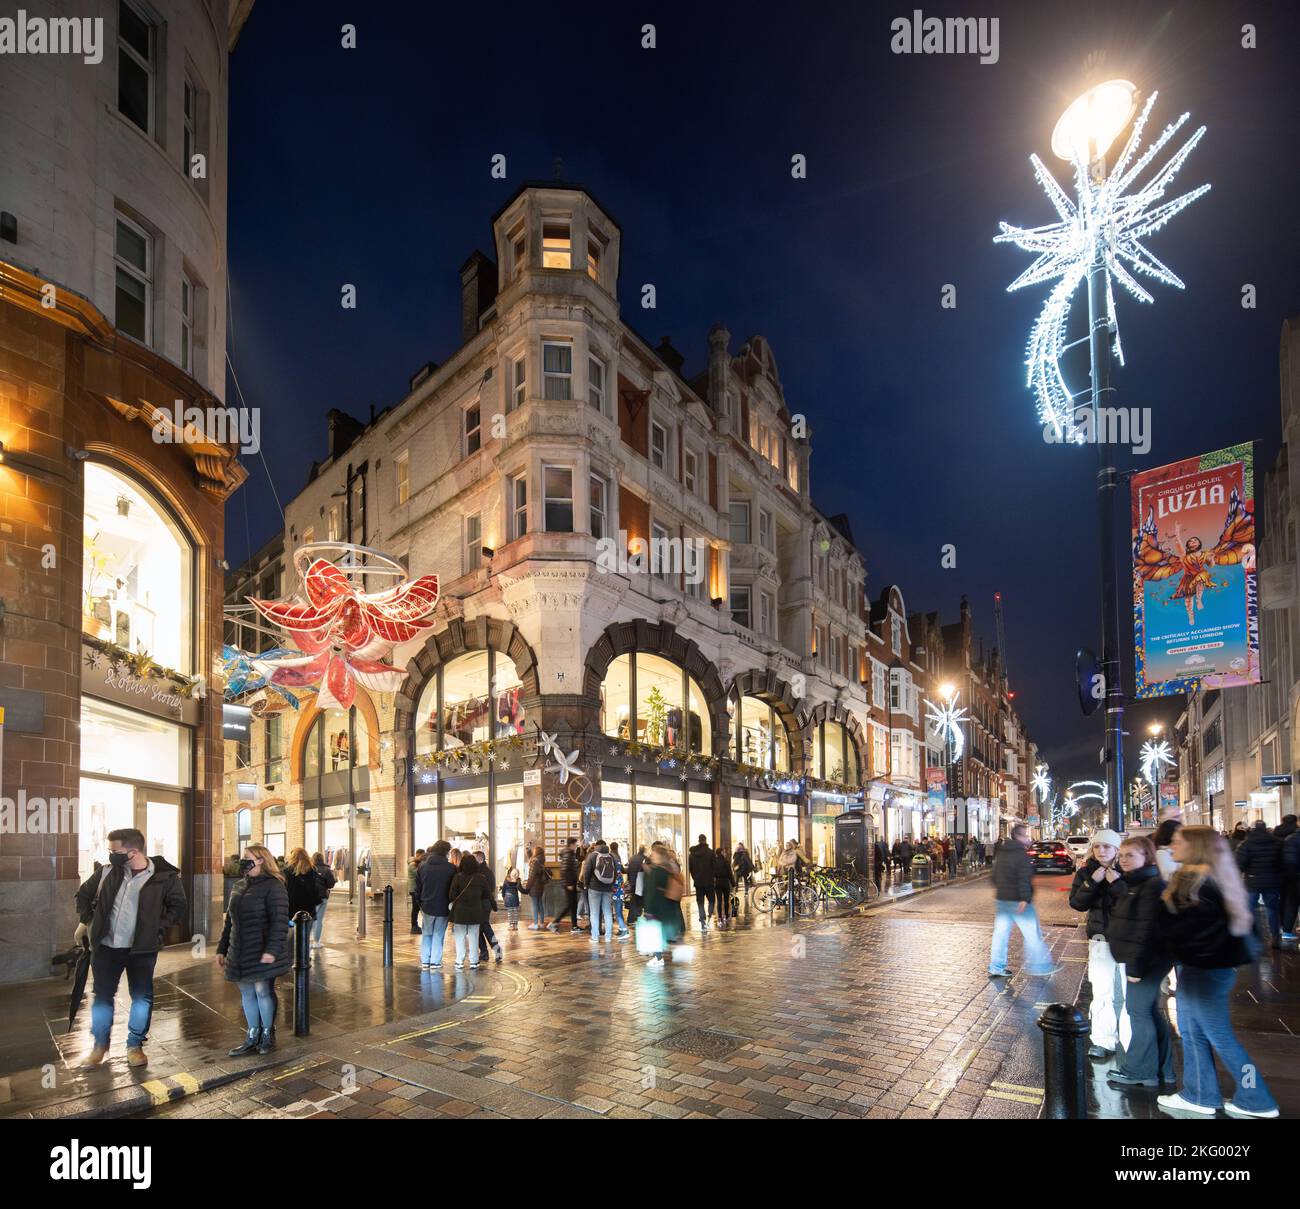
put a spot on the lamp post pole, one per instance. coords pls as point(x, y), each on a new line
point(1099, 348)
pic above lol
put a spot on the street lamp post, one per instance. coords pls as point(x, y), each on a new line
point(1100, 231)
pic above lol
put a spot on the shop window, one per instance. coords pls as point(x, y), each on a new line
point(275, 829)
point(761, 738)
point(480, 700)
point(835, 755)
point(650, 699)
point(334, 745)
point(137, 586)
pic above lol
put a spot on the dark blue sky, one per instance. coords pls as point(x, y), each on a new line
point(371, 166)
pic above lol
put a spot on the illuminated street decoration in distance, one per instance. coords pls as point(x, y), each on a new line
point(1104, 216)
point(1041, 783)
point(1155, 756)
point(946, 720)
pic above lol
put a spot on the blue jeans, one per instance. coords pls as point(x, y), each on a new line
point(320, 920)
point(1037, 959)
point(466, 937)
point(433, 931)
point(259, 1001)
point(539, 916)
point(1204, 1020)
point(107, 966)
point(601, 902)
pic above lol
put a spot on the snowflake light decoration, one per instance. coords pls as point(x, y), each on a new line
point(1155, 756)
point(1109, 217)
point(1041, 783)
point(946, 721)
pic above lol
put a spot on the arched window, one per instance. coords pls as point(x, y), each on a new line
point(835, 755)
point(758, 735)
point(654, 701)
point(469, 700)
point(333, 745)
point(137, 571)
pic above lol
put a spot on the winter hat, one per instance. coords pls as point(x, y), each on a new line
point(1105, 836)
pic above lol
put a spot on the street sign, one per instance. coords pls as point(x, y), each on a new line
point(1279, 778)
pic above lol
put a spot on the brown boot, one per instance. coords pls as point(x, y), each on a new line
point(135, 1056)
point(96, 1056)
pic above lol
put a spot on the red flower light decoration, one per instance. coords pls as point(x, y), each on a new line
point(343, 632)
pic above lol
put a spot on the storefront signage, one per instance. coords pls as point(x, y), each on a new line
point(1280, 778)
point(160, 696)
point(1195, 598)
point(532, 776)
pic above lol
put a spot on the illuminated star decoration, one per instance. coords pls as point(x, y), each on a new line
point(1106, 218)
point(1041, 783)
point(1155, 755)
point(344, 631)
point(946, 720)
point(564, 765)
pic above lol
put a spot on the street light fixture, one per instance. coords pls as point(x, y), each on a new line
point(1098, 239)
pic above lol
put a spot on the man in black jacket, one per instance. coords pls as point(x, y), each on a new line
point(432, 883)
point(125, 907)
point(1260, 859)
point(1290, 873)
point(1013, 884)
point(569, 870)
point(635, 867)
point(700, 862)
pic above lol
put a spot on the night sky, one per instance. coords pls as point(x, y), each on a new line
point(371, 166)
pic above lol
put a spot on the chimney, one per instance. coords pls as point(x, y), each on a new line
point(670, 356)
point(478, 288)
point(344, 430)
point(719, 364)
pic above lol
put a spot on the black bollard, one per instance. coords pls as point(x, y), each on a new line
point(1065, 1045)
point(789, 886)
point(388, 925)
point(302, 974)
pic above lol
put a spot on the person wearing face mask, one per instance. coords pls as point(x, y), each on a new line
point(1137, 940)
point(1097, 884)
point(254, 946)
point(125, 907)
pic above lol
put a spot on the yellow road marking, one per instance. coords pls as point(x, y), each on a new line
point(189, 1084)
point(1035, 1091)
point(1006, 1095)
point(521, 986)
point(158, 1091)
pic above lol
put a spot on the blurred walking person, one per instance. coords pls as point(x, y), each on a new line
point(1013, 884)
point(1259, 857)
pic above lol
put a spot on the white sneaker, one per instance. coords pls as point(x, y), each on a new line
point(655, 962)
point(1176, 1103)
point(497, 949)
point(1245, 1114)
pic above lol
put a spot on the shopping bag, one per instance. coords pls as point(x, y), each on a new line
point(649, 936)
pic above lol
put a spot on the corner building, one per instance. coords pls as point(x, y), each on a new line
point(738, 685)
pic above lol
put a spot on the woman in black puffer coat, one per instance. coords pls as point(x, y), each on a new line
point(254, 946)
point(1138, 943)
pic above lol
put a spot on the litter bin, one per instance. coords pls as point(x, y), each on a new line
point(920, 870)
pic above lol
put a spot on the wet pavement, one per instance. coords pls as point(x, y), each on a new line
point(888, 1013)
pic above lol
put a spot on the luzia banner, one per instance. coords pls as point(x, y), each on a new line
point(1195, 601)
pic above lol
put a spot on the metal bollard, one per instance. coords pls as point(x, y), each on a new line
point(789, 888)
point(388, 925)
point(1065, 1044)
point(302, 974)
point(361, 910)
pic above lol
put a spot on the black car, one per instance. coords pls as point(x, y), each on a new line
point(1051, 856)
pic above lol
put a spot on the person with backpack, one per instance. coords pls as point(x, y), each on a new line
point(125, 907)
point(511, 889)
point(535, 887)
point(742, 864)
point(598, 874)
point(1208, 925)
point(700, 863)
point(467, 898)
point(325, 875)
point(302, 885)
point(254, 947)
point(723, 882)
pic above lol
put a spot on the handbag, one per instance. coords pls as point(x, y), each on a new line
point(674, 887)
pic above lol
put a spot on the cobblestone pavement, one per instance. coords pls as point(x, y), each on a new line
point(890, 1014)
